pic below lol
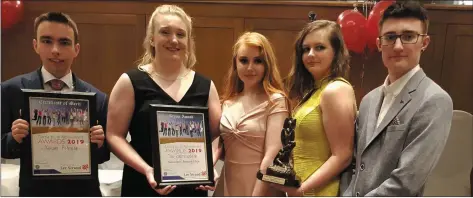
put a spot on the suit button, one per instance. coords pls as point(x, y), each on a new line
point(362, 166)
point(357, 194)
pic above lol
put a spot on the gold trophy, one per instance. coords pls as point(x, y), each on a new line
point(282, 170)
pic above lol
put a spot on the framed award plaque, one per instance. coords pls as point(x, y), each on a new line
point(182, 147)
point(59, 133)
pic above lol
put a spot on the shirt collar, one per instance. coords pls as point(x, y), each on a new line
point(67, 79)
point(396, 87)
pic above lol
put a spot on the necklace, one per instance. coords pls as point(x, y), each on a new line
point(156, 74)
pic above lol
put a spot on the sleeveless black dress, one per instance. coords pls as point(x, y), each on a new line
point(146, 92)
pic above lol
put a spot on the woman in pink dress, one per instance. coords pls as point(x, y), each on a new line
point(253, 113)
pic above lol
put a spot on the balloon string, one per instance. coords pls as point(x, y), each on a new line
point(362, 75)
point(355, 6)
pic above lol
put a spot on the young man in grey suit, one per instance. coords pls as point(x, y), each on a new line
point(57, 45)
point(403, 125)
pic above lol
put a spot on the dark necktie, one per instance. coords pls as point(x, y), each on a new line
point(56, 84)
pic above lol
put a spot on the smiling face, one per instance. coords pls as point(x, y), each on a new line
point(250, 65)
point(399, 58)
point(170, 38)
point(318, 53)
point(55, 46)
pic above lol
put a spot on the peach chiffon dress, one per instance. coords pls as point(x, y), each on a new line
point(244, 138)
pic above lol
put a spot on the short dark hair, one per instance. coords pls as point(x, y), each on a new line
point(406, 9)
point(57, 17)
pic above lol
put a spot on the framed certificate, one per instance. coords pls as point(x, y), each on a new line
point(59, 133)
point(182, 147)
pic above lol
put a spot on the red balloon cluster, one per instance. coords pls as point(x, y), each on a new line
point(373, 20)
point(358, 32)
point(353, 24)
point(12, 12)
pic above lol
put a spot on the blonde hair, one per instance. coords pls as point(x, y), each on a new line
point(149, 54)
point(272, 82)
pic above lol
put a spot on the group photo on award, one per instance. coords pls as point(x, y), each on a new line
point(236, 98)
point(59, 114)
point(180, 125)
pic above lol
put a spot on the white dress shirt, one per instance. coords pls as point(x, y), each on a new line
point(391, 90)
point(67, 79)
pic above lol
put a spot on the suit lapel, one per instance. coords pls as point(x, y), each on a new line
point(404, 97)
point(373, 111)
point(34, 80)
point(400, 102)
point(78, 84)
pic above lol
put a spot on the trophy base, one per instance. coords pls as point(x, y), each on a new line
point(292, 182)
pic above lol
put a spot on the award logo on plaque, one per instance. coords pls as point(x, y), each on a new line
point(282, 170)
point(182, 152)
point(59, 132)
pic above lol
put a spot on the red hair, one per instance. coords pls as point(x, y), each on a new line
point(271, 82)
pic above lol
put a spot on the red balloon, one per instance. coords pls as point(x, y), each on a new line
point(353, 26)
point(373, 20)
point(12, 12)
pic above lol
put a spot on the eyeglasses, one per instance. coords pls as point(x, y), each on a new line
point(406, 38)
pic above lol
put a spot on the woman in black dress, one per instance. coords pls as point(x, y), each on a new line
point(164, 76)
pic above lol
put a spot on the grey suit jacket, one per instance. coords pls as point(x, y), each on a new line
point(395, 158)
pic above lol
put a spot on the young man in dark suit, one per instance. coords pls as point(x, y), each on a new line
point(57, 45)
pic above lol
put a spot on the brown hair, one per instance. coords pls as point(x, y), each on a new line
point(407, 9)
point(57, 17)
point(300, 82)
